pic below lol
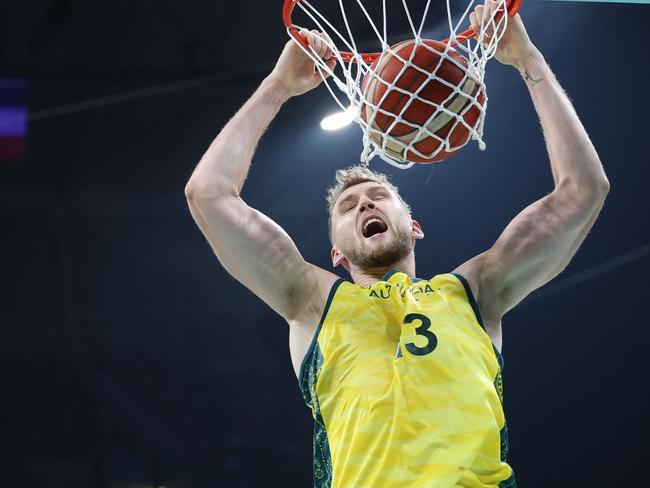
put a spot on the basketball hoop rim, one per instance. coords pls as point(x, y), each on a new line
point(513, 7)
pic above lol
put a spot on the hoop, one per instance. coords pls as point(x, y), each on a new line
point(513, 7)
point(466, 97)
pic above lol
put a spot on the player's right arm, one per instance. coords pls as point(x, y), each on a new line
point(250, 246)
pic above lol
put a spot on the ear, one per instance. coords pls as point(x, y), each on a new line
point(416, 230)
point(339, 259)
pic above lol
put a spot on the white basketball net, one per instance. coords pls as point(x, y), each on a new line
point(348, 77)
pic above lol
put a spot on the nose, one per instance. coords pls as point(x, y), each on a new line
point(366, 204)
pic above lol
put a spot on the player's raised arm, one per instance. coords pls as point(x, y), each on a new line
point(250, 246)
point(539, 242)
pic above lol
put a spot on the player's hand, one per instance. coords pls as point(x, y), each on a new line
point(295, 70)
point(515, 46)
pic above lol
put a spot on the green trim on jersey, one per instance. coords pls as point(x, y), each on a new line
point(472, 302)
point(387, 276)
point(314, 339)
point(308, 378)
point(322, 458)
point(509, 483)
point(390, 273)
point(470, 297)
point(498, 381)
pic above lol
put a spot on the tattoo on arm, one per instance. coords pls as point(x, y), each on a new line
point(530, 79)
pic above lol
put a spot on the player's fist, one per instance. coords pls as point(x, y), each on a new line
point(295, 70)
point(515, 46)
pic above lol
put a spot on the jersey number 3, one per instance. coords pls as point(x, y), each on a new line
point(422, 330)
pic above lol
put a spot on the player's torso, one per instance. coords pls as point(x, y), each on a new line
point(400, 370)
point(303, 328)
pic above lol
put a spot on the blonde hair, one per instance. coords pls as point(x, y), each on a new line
point(354, 175)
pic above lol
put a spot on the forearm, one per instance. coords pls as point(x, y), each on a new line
point(223, 168)
point(572, 155)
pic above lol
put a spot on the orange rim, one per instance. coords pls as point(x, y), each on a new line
point(512, 6)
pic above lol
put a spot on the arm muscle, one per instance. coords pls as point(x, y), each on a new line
point(257, 252)
point(536, 246)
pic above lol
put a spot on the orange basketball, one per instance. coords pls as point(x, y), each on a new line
point(391, 70)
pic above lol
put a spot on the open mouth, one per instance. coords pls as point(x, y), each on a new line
point(373, 226)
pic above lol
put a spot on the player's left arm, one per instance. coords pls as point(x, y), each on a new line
point(539, 242)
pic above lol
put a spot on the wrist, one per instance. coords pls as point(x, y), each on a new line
point(530, 63)
point(279, 90)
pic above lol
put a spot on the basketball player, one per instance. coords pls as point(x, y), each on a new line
point(402, 375)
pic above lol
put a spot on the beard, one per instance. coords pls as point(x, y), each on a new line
point(384, 254)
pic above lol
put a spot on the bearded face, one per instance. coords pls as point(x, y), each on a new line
point(371, 227)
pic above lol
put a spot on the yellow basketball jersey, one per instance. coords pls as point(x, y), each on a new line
point(405, 388)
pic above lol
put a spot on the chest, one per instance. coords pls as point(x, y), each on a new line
point(416, 334)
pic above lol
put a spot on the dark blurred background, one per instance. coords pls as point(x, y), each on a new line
point(121, 336)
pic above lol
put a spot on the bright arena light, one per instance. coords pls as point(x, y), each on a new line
point(338, 120)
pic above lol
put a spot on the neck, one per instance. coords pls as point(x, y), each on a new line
point(368, 276)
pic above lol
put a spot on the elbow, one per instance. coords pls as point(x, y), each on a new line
point(593, 187)
point(196, 191)
point(605, 185)
point(601, 188)
point(195, 194)
point(190, 191)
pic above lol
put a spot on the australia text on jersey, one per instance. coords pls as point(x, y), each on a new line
point(412, 289)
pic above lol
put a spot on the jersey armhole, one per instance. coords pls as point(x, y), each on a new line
point(477, 313)
point(314, 339)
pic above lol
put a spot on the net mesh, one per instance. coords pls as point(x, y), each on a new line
point(346, 81)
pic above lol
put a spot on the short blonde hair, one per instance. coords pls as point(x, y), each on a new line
point(354, 175)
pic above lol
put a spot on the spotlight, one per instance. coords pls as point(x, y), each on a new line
point(338, 120)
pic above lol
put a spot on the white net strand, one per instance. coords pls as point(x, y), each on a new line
point(416, 34)
point(463, 97)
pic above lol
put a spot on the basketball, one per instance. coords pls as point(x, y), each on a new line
point(415, 128)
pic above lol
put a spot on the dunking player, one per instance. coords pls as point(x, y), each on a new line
point(403, 376)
